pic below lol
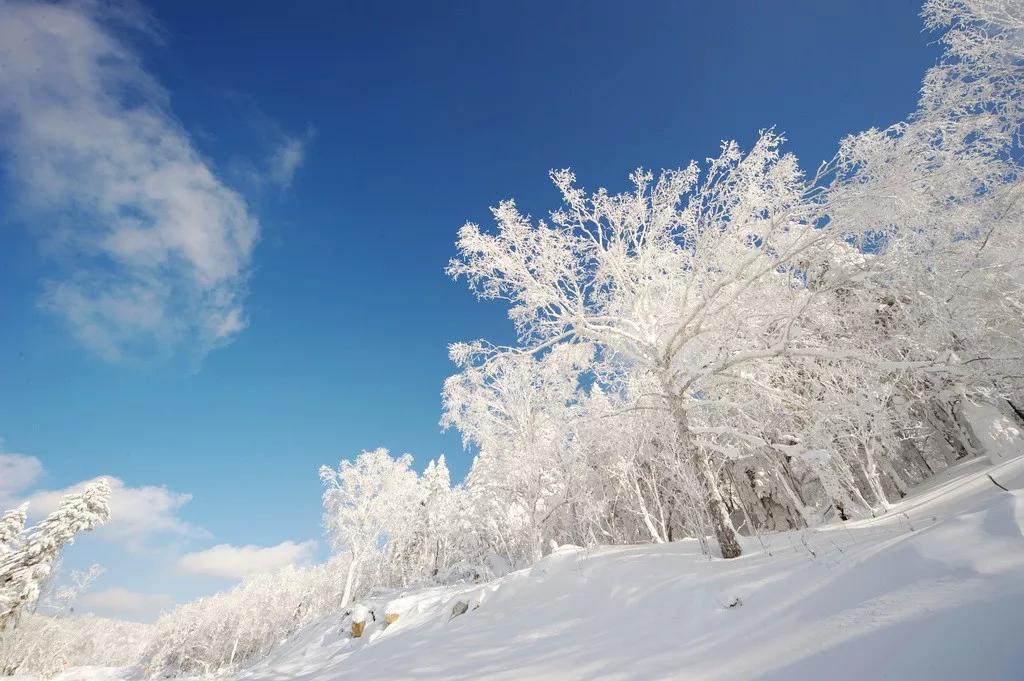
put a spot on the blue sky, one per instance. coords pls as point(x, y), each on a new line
point(323, 157)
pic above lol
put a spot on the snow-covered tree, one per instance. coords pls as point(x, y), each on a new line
point(737, 291)
point(239, 626)
point(366, 501)
point(685, 279)
point(423, 550)
point(518, 410)
point(25, 570)
point(12, 529)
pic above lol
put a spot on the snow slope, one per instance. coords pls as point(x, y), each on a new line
point(932, 590)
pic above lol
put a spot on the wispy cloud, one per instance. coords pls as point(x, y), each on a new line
point(155, 248)
point(287, 159)
point(235, 562)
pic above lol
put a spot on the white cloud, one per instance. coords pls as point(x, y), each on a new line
point(17, 473)
point(236, 562)
point(136, 513)
point(119, 602)
point(156, 249)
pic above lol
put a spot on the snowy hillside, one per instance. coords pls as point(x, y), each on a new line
point(932, 590)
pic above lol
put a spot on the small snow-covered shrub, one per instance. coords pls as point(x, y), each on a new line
point(50, 639)
point(45, 645)
point(239, 626)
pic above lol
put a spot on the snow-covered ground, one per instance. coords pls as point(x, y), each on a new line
point(932, 590)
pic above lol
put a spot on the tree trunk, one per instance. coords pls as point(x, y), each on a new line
point(873, 477)
point(648, 522)
point(725, 533)
point(349, 579)
point(890, 470)
point(1016, 410)
point(536, 544)
point(785, 478)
